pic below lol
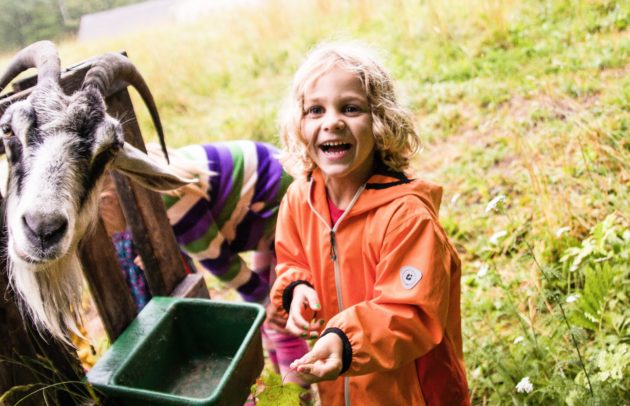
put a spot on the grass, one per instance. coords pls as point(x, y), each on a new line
point(526, 99)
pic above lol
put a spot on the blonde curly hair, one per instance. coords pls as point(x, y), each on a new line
point(394, 134)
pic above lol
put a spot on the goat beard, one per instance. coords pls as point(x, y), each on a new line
point(51, 297)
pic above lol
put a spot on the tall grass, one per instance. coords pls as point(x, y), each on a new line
point(526, 99)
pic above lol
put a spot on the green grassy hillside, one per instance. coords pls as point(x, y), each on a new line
point(524, 108)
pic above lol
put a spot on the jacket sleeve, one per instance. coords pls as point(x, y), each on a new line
point(292, 268)
point(407, 314)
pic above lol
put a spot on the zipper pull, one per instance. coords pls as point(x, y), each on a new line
point(333, 253)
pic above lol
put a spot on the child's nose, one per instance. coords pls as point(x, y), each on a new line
point(334, 123)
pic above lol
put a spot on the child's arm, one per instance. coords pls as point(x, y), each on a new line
point(263, 262)
point(293, 286)
point(406, 318)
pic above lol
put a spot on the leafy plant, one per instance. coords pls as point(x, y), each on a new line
point(589, 311)
point(270, 390)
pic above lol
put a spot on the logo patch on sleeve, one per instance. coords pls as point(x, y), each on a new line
point(410, 276)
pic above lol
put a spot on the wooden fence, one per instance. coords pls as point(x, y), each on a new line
point(25, 356)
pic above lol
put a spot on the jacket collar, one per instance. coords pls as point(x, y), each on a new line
point(382, 178)
point(381, 172)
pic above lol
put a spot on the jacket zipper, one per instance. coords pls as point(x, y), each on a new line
point(335, 259)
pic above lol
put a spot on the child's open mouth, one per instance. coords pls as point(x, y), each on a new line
point(335, 147)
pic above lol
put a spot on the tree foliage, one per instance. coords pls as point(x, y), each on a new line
point(25, 21)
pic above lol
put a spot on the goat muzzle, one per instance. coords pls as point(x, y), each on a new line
point(44, 229)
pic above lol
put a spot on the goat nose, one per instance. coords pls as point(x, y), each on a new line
point(44, 228)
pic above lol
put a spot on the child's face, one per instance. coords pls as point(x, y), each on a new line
point(337, 125)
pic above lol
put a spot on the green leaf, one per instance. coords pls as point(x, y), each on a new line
point(269, 390)
point(590, 307)
point(282, 395)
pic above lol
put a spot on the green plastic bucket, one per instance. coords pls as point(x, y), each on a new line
point(184, 352)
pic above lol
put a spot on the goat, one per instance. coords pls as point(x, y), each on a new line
point(58, 148)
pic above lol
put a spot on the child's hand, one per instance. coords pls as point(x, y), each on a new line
point(323, 362)
point(138, 261)
point(275, 320)
point(304, 307)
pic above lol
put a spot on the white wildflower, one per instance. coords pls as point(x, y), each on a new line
point(476, 373)
point(494, 239)
point(519, 339)
point(483, 271)
point(562, 230)
point(524, 386)
point(455, 198)
point(572, 298)
point(495, 203)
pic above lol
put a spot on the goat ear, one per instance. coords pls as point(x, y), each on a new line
point(148, 173)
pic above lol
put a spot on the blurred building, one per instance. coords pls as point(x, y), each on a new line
point(139, 16)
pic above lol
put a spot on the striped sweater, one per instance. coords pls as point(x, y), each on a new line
point(240, 215)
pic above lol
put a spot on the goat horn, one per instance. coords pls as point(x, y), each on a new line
point(42, 55)
point(111, 67)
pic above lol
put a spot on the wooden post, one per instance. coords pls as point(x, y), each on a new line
point(107, 284)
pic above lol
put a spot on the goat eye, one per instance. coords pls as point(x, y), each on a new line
point(6, 130)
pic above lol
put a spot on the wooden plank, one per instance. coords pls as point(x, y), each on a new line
point(139, 231)
point(110, 292)
point(193, 285)
point(145, 214)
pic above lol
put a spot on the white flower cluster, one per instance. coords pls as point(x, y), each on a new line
point(573, 298)
point(497, 237)
point(562, 230)
point(495, 203)
point(524, 385)
point(483, 270)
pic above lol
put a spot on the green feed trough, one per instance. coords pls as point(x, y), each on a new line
point(184, 352)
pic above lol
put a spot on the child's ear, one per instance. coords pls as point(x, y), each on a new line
point(143, 170)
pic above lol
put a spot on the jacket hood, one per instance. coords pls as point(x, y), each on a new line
point(381, 188)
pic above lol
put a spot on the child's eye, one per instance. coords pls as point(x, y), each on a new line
point(351, 109)
point(314, 110)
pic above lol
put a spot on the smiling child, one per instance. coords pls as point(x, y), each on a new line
point(363, 262)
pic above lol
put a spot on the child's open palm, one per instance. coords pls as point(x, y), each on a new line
point(323, 362)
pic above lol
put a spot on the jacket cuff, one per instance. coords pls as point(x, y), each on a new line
point(287, 294)
point(346, 354)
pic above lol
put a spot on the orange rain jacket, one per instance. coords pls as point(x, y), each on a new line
point(388, 280)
